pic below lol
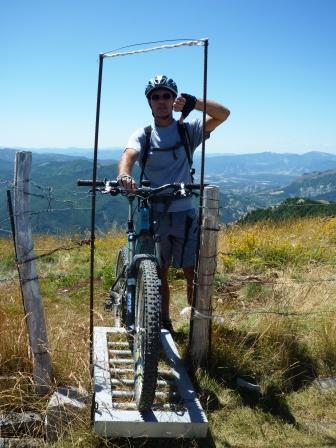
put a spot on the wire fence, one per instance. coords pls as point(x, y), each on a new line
point(51, 200)
point(73, 207)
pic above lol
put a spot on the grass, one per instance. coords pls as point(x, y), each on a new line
point(274, 293)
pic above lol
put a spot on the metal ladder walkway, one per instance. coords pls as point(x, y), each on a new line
point(176, 411)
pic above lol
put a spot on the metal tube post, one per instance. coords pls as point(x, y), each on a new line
point(93, 206)
point(200, 214)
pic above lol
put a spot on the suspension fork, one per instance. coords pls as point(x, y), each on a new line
point(156, 239)
point(130, 274)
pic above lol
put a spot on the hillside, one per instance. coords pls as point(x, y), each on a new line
point(246, 182)
point(319, 185)
point(58, 204)
point(291, 208)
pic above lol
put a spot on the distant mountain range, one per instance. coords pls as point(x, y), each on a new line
point(246, 182)
point(270, 163)
point(103, 154)
point(317, 185)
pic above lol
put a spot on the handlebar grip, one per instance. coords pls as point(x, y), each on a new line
point(195, 186)
point(89, 183)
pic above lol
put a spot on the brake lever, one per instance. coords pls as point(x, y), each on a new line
point(101, 190)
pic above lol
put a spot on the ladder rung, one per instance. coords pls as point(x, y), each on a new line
point(121, 361)
point(132, 405)
point(166, 373)
point(117, 370)
point(120, 352)
point(116, 343)
point(126, 382)
point(129, 382)
point(124, 393)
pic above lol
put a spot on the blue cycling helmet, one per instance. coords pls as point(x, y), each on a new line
point(161, 82)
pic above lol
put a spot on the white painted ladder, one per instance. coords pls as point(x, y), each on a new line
point(176, 411)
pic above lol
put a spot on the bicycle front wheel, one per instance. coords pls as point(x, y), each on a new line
point(147, 333)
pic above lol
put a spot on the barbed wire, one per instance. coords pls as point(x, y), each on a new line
point(46, 254)
point(217, 288)
point(200, 314)
point(206, 314)
point(44, 277)
point(43, 211)
point(4, 220)
point(50, 189)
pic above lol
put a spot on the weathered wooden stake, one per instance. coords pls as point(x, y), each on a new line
point(38, 340)
point(200, 337)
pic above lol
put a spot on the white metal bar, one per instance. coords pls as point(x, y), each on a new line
point(117, 370)
point(161, 47)
point(114, 361)
point(132, 405)
point(120, 352)
point(117, 344)
point(128, 393)
point(128, 382)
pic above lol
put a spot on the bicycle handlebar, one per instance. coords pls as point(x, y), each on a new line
point(89, 183)
point(113, 189)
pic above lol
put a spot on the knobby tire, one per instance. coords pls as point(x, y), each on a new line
point(147, 334)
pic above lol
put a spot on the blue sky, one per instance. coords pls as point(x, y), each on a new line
point(272, 63)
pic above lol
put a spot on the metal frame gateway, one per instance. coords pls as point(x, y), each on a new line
point(180, 413)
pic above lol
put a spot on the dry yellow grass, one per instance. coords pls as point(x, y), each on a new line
point(275, 289)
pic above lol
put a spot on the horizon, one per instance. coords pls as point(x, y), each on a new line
point(114, 148)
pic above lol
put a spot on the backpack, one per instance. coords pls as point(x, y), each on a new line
point(184, 136)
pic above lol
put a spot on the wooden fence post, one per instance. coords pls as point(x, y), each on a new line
point(200, 336)
point(38, 340)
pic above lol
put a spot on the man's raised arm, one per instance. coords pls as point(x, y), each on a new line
point(216, 113)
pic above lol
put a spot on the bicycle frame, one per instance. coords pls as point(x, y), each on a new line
point(134, 236)
point(146, 229)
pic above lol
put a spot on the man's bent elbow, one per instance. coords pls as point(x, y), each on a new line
point(225, 113)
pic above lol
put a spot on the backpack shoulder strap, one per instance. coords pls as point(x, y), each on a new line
point(185, 138)
point(148, 132)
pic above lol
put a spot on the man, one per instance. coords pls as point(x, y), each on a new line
point(163, 158)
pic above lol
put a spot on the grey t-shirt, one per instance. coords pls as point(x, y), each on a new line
point(167, 166)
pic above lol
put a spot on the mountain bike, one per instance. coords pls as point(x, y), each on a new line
point(135, 295)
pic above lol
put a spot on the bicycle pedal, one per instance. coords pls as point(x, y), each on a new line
point(114, 298)
point(112, 301)
point(108, 305)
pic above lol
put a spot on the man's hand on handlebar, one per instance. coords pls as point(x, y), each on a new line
point(126, 181)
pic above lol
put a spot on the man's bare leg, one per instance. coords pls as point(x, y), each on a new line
point(189, 275)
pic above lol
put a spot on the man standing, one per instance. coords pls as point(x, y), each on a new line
point(164, 152)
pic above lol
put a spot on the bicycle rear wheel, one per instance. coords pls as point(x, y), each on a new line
point(147, 333)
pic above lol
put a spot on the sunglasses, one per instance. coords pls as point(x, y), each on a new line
point(164, 96)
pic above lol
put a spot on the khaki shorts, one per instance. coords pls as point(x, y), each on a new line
point(178, 237)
